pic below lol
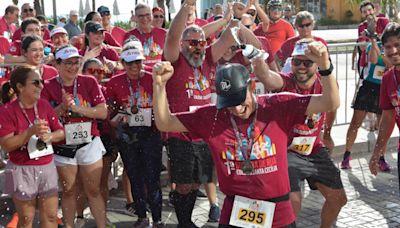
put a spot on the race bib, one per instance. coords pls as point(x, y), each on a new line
point(36, 151)
point(140, 119)
point(379, 71)
point(252, 213)
point(193, 108)
point(303, 145)
point(213, 98)
point(78, 133)
point(259, 88)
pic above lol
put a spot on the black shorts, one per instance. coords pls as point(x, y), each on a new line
point(367, 98)
point(190, 162)
point(317, 167)
point(108, 144)
point(293, 225)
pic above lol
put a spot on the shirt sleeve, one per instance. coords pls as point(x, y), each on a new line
point(204, 115)
point(384, 99)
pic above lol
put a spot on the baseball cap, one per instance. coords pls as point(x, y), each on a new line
point(57, 31)
point(91, 26)
point(73, 13)
point(157, 9)
point(272, 3)
point(103, 9)
point(231, 85)
point(134, 52)
point(67, 52)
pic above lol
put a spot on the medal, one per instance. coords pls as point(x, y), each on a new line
point(152, 54)
point(310, 123)
point(40, 145)
point(247, 167)
point(134, 109)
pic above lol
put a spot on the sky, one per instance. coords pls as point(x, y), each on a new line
point(64, 6)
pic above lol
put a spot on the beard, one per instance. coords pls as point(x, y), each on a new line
point(304, 80)
point(192, 61)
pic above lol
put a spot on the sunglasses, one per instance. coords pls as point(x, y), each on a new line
point(105, 14)
point(252, 13)
point(37, 82)
point(195, 43)
point(305, 25)
point(298, 62)
point(28, 10)
point(158, 16)
point(93, 71)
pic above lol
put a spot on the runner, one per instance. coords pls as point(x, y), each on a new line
point(261, 174)
point(28, 127)
point(81, 153)
point(117, 32)
point(139, 141)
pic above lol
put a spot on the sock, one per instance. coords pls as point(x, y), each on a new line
point(184, 205)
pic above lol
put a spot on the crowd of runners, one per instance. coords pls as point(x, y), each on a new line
point(245, 98)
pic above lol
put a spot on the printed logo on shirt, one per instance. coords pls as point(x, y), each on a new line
point(146, 100)
point(151, 49)
point(304, 129)
point(394, 100)
point(198, 87)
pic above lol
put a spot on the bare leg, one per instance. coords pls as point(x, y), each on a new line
point(295, 199)
point(26, 212)
point(48, 210)
point(335, 199)
point(68, 175)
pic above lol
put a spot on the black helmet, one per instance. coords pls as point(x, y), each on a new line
point(272, 3)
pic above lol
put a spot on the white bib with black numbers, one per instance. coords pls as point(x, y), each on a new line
point(140, 119)
point(78, 133)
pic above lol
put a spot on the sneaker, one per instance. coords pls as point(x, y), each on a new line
point(384, 166)
point(171, 200)
point(130, 209)
point(200, 194)
point(80, 223)
point(141, 223)
point(109, 224)
point(346, 161)
point(192, 225)
point(158, 224)
point(214, 214)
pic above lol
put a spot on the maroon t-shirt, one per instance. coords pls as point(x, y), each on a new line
point(119, 34)
point(153, 43)
point(269, 154)
point(48, 72)
point(302, 129)
point(13, 120)
point(18, 34)
point(288, 46)
point(88, 95)
point(106, 52)
point(110, 40)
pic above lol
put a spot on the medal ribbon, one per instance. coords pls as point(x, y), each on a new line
point(199, 78)
point(26, 115)
point(132, 94)
point(75, 90)
point(245, 151)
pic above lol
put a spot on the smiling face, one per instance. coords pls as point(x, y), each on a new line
point(245, 109)
point(305, 28)
point(133, 68)
point(96, 38)
point(32, 88)
point(143, 17)
point(34, 53)
point(303, 69)
point(60, 39)
point(392, 50)
point(68, 68)
point(367, 12)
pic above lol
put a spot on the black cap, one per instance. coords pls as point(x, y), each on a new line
point(231, 85)
point(93, 27)
point(103, 9)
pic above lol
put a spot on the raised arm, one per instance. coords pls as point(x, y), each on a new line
point(171, 47)
point(272, 81)
point(165, 121)
point(374, 52)
point(329, 100)
point(214, 26)
point(262, 15)
point(224, 42)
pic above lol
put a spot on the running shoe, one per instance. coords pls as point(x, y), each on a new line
point(158, 224)
point(346, 161)
point(141, 223)
point(214, 214)
point(384, 166)
point(192, 225)
point(109, 224)
point(80, 223)
point(130, 209)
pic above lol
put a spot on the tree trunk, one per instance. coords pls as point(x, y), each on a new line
point(43, 11)
point(55, 12)
point(38, 7)
point(94, 5)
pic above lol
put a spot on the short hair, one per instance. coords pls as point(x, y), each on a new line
point(141, 6)
point(366, 3)
point(19, 76)
point(90, 16)
point(11, 9)
point(300, 16)
point(192, 28)
point(90, 61)
point(28, 21)
point(392, 29)
point(27, 40)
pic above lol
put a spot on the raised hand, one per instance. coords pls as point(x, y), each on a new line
point(318, 53)
point(162, 72)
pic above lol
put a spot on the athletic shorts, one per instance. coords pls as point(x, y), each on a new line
point(108, 144)
point(317, 167)
point(27, 182)
point(86, 155)
point(190, 162)
point(367, 98)
point(293, 225)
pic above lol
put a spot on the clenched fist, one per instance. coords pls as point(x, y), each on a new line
point(162, 72)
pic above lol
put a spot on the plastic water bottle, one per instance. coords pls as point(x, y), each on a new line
point(251, 52)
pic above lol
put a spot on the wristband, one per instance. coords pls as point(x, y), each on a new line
point(326, 72)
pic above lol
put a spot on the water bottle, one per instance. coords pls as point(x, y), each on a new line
point(251, 52)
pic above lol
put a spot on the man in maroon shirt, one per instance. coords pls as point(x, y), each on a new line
point(7, 22)
point(248, 136)
point(191, 86)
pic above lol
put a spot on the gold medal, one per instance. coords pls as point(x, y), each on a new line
point(247, 167)
point(152, 54)
point(134, 109)
point(40, 145)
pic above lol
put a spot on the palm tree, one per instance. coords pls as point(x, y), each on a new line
point(38, 7)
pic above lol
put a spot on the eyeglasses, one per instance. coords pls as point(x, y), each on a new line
point(158, 16)
point(298, 62)
point(70, 64)
point(38, 82)
point(105, 14)
point(195, 43)
point(28, 10)
point(305, 25)
point(143, 16)
point(93, 71)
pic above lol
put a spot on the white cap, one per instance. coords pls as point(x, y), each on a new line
point(299, 48)
point(132, 54)
point(252, 7)
point(67, 52)
point(73, 13)
point(58, 30)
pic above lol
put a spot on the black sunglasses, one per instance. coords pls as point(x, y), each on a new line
point(37, 82)
point(298, 62)
point(28, 10)
point(105, 14)
point(252, 13)
point(305, 25)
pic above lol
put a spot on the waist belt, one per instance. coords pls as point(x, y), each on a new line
point(273, 200)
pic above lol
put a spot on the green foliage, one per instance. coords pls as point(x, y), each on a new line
point(327, 21)
point(126, 25)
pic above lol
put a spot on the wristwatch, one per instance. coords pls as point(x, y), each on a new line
point(326, 72)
